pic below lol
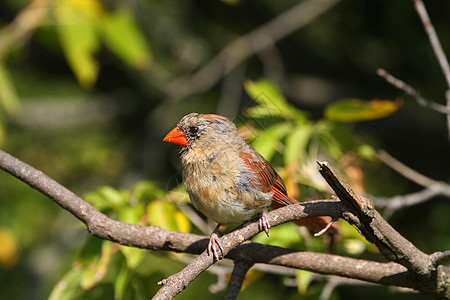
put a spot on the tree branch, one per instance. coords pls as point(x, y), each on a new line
point(241, 268)
point(401, 85)
point(377, 231)
point(155, 238)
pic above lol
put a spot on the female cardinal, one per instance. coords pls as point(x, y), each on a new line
point(226, 178)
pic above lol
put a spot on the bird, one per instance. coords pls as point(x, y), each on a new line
point(226, 178)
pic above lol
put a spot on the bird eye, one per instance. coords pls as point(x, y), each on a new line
point(193, 129)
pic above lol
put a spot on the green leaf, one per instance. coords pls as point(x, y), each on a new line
point(8, 96)
point(2, 129)
point(131, 213)
point(147, 191)
point(267, 140)
point(107, 197)
point(133, 256)
point(167, 216)
point(68, 287)
point(296, 143)
point(331, 144)
point(121, 283)
point(123, 36)
point(304, 278)
point(281, 236)
point(95, 268)
point(78, 36)
point(352, 242)
point(266, 93)
point(352, 110)
point(367, 152)
point(271, 102)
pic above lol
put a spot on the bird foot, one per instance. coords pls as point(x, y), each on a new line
point(213, 246)
point(325, 228)
point(264, 223)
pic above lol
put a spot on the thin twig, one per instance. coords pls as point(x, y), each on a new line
point(434, 40)
point(437, 48)
point(23, 25)
point(243, 47)
point(334, 281)
point(440, 257)
point(404, 170)
point(393, 204)
point(401, 85)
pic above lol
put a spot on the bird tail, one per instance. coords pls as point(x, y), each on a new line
point(314, 224)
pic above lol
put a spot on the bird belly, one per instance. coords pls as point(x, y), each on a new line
point(226, 209)
point(219, 194)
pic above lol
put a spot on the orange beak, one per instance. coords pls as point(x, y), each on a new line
point(176, 136)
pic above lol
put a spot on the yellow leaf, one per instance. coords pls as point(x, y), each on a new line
point(183, 223)
point(134, 256)
point(96, 269)
point(77, 32)
point(353, 110)
point(123, 36)
point(9, 249)
point(8, 96)
point(304, 278)
point(167, 216)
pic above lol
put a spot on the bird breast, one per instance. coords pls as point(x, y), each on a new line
point(219, 186)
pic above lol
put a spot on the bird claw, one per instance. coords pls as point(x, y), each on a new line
point(214, 243)
point(264, 222)
point(325, 228)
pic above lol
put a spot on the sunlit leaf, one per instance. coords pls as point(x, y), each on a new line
point(267, 140)
point(121, 283)
point(133, 256)
point(367, 152)
point(270, 100)
point(2, 129)
point(281, 236)
point(68, 287)
point(265, 92)
point(354, 246)
point(166, 215)
point(131, 213)
point(183, 223)
point(356, 242)
point(147, 191)
point(262, 111)
point(107, 197)
point(79, 39)
point(296, 143)
point(304, 278)
point(9, 250)
point(96, 268)
point(352, 110)
point(9, 101)
point(123, 36)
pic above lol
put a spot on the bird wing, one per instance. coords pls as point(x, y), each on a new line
point(266, 178)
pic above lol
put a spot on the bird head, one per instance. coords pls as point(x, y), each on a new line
point(201, 130)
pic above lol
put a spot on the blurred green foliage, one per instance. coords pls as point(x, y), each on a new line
point(86, 97)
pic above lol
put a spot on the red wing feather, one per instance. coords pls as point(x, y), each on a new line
point(266, 178)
